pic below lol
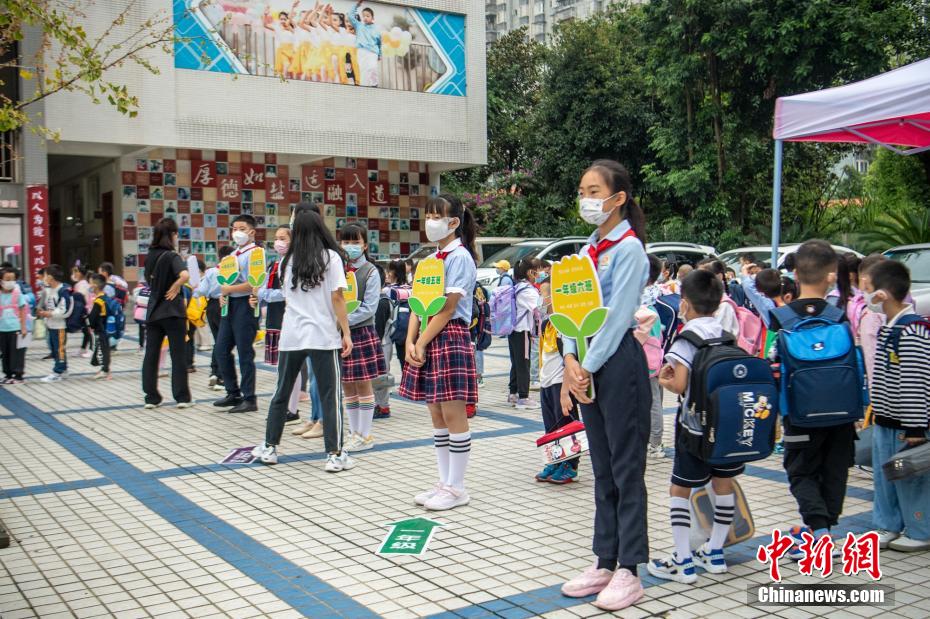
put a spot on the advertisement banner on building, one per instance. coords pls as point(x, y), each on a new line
point(37, 226)
point(368, 44)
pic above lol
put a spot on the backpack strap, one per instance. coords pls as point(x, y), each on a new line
point(894, 338)
point(699, 342)
point(361, 278)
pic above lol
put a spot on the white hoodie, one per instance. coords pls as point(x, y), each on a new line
point(51, 302)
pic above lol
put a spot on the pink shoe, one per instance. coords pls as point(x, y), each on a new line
point(304, 397)
point(589, 582)
point(623, 591)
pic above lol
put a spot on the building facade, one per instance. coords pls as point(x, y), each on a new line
point(258, 108)
point(539, 17)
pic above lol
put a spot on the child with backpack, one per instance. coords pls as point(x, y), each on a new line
point(13, 328)
point(140, 304)
point(649, 334)
point(80, 286)
point(822, 394)
point(397, 293)
point(708, 408)
point(440, 366)
point(516, 307)
point(900, 408)
point(55, 306)
point(196, 318)
point(116, 286)
point(367, 360)
point(97, 321)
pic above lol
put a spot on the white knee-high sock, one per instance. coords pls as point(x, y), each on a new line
point(459, 450)
point(366, 412)
point(441, 443)
point(724, 509)
point(680, 512)
point(351, 404)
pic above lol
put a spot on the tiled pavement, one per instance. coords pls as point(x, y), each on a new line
point(119, 511)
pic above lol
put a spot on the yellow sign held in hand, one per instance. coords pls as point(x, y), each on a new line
point(257, 273)
point(351, 293)
point(577, 306)
point(228, 275)
point(429, 287)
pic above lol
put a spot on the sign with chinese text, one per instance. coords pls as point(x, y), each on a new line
point(239, 455)
point(257, 274)
point(409, 537)
point(229, 273)
point(859, 554)
point(392, 47)
point(429, 287)
point(37, 228)
point(578, 310)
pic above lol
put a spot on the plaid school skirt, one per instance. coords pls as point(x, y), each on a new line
point(449, 373)
point(272, 337)
point(367, 359)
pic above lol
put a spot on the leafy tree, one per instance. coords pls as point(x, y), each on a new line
point(895, 179)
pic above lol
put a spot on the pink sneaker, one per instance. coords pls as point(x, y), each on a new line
point(589, 582)
point(623, 591)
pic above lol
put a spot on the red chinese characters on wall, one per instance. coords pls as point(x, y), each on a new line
point(37, 227)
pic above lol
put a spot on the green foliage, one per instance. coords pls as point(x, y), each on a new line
point(895, 180)
point(905, 226)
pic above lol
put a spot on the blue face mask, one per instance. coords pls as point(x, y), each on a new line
point(542, 277)
point(354, 252)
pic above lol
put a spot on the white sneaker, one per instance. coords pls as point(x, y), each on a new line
point(258, 449)
point(886, 537)
point(54, 378)
point(212, 381)
point(353, 442)
point(423, 497)
point(364, 444)
point(267, 454)
point(150, 406)
point(342, 462)
point(656, 452)
point(671, 568)
point(527, 405)
point(216, 387)
point(185, 404)
point(447, 498)
point(907, 544)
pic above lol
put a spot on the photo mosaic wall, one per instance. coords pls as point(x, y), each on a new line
point(204, 190)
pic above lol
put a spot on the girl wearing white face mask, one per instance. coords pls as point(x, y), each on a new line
point(367, 360)
point(440, 361)
point(618, 420)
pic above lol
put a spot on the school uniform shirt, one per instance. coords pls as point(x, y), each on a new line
point(9, 317)
point(623, 271)
point(309, 319)
point(551, 364)
point(527, 299)
point(271, 294)
point(209, 285)
point(682, 353)
point(242, 257)
point(369, 304)
point(461, 275)
point(726, 316)
point(902, 381)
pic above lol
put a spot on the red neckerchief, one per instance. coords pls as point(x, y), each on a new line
point(273, 273)
point(595, 251)
point(248, 247)
point(350, 269)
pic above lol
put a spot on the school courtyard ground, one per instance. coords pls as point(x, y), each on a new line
point(116, 511)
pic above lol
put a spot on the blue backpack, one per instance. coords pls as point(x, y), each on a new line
point(481, 318)
point(75, 321)
point(666, 307)
point(735, 398)
point(822, 373)
point(116, 319)
point(400, 313)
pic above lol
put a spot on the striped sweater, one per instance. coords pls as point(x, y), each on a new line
point(901, 384)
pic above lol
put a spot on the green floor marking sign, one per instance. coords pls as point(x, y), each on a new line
point(409, 537)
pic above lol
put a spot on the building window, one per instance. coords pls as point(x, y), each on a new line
point(8, 152)
point(524, 21)
point(862, 166)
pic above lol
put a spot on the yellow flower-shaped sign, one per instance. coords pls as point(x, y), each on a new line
point(351, 292)
point(429, 287)
point(257, 273)
point(229, 273)
point(577, 306)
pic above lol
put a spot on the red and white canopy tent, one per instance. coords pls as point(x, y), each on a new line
point(891, 110)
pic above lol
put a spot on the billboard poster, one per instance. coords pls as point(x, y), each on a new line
point(348, 42)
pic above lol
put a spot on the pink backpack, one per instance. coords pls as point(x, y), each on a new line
point(751, 329)
point(648, 332)
point(855, 309)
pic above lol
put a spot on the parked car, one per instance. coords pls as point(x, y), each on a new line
point(486, 246)
point(680, 253)
point(764, 252)
point(917, 259)
point(547, 249)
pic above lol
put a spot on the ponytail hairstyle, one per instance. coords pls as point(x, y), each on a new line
point(448, 205)
point(308, 253)
point(618, 179)
point(355, 232)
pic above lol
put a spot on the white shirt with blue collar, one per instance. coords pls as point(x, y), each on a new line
point(369, 304)
point(461, 274)
point(243, 254)
point(272, 295)
point(623, 271)
point(209, 286)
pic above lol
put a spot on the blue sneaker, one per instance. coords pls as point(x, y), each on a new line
point(711, 560)
point(672, 569)
point(547, 472)
point(780, 447)
point(794, 553)
point(564, 474)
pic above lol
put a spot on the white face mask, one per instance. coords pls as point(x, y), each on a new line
point(240, 238)
point(437, 229)
point(877, 307)
point(8, 285)
point(592, 210)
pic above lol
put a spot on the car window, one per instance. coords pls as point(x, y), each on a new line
point(554, 254)
point(513, 254)
point(917, 260)
point(489, 249)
